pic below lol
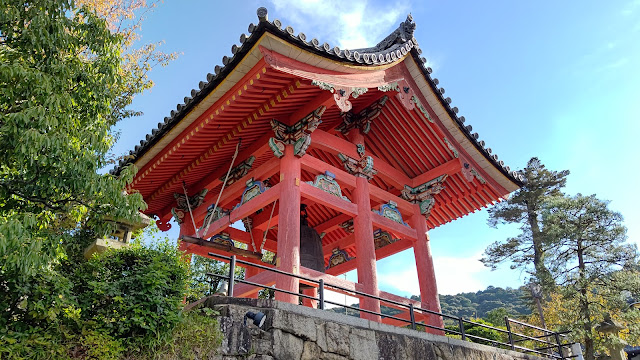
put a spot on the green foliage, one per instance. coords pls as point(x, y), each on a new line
point(496, 316)
point(59, 71)
point(196, 337)
point(492, 336)
point(481, 303)
point(134, 294)
point(594, 265)
point(201, 284)
point(523, 207)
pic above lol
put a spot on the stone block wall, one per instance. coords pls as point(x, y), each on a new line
point(293, 332)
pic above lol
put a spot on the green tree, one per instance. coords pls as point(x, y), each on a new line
point(523, 207)
point(592, 263)
point(59, 78)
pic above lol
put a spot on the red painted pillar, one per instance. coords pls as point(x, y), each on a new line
point(365, 247)
point(250, 271)
point(310, 292)
point(426, 273)
point(289, 225)
point(186, 228)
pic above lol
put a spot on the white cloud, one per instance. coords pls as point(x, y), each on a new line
point(453, 275)
point(347, 24)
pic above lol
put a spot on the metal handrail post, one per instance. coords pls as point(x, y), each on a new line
point(321, 294)
point(232, 272)
point(506, 320)
point(413, 317)
point(461, 326)
point(559, 345)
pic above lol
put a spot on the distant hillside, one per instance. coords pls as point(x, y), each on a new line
point(473, 304)
point(477, 304)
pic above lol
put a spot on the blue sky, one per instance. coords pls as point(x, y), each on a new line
point(552, 79)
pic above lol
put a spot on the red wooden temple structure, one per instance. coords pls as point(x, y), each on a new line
point(365, 138)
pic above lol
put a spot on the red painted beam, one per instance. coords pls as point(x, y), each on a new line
point(343, 243)
point(322, 197)
point(450, 167)
point(317, 166)
point(397, 229)
point(256, 203)
point(324, 141)
point(324, 98)
point(330, 225)
point(382, 196)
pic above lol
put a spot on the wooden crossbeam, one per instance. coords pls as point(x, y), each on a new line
point(451, 167)
point(398, 229)
point(314, 165)
point(322, 197)
point(324, 141)
point(223, 247)
point(381, 253)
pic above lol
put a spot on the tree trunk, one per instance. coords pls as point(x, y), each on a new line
point(584, 306)
point(542, 273)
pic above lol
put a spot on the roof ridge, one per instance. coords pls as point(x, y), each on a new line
point(393, 47)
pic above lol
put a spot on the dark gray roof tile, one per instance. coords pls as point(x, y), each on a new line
point(397, 44)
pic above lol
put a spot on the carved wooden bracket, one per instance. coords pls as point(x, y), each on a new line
point(341, 94)
point(239, 171)
point(382, 238)
point(219, 213)
point(390, 211)
point(253, 189)
point(338, 257)
point(222, 238)
point(423, 194)
point(181, 204)
point(363, 119)
point(328, 183)
point(297, 135)
point(405, 94)
point(348, 226)
point(362, 167)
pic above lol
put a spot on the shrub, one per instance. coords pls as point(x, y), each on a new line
point(133, 294)
point(196, 336)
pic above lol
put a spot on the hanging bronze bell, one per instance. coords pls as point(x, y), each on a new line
point(311, 255)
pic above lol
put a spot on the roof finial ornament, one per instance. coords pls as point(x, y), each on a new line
point(402, 35)
point(262, 14)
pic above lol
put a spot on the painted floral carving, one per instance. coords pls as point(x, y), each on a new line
point(390, 211)
point(239, 171)
point(328, 183)
point(182, 207)
point(297, 134)
point(382, 238)
point(423, 194)
point(338, 257)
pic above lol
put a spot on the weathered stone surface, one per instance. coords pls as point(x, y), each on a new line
point(321, 335)
point(298, 325)
point(332, 356)
point(236, 340)
point(286, 346)
point(296, 333)
point(311, 351)
point(337, 338)
point(362, 344)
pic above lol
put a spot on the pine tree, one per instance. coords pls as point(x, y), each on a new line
point(523, 207)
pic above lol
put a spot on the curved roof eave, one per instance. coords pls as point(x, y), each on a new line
point(392, 49)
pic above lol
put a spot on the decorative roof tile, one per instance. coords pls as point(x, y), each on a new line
point(393, 47)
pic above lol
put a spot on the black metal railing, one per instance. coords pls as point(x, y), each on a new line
point(553, 348)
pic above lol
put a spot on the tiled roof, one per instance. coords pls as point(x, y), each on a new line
point(393, 47)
